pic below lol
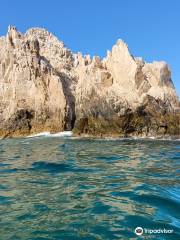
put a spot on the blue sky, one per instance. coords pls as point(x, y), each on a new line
point(151, 28)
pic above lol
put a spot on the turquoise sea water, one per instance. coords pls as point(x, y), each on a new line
point(68, 189)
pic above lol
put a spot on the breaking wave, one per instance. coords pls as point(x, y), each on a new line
point(48, 134)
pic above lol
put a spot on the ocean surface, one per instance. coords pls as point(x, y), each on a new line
point(67, 188)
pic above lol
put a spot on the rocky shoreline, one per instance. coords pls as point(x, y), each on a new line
point(46, 87)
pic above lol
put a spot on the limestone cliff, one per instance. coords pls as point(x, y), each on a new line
point(44, 86)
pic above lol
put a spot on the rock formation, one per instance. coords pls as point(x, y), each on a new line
point(46, 87)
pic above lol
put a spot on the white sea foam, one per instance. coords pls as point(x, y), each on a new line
point(48, 134)
point(70, 134)
point(39, 134)
point(62, 134)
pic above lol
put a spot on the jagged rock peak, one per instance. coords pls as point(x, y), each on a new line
point(12, 35)
point(13, 29)
point(121, 43)
point(43, 35)
point(45, 86)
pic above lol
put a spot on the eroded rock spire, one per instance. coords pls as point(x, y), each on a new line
point(45, 86)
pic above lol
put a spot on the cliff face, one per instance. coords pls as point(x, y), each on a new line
point(45, 87)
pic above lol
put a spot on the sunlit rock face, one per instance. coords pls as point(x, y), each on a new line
point(44, 86)
point(32, 94)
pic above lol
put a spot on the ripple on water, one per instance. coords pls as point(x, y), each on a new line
point(52, 188)
point(50, 167)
